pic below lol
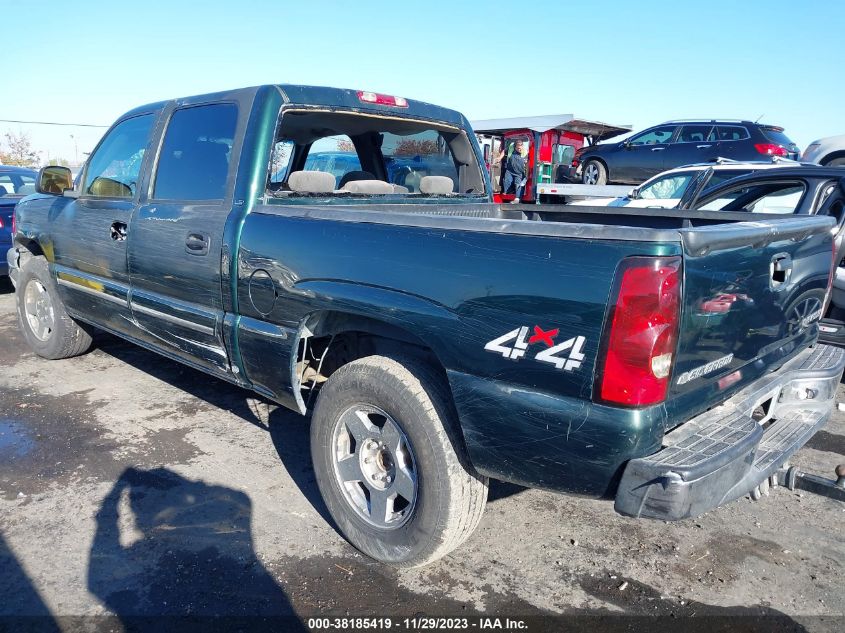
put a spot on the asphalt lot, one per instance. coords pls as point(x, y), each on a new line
point(130, 485)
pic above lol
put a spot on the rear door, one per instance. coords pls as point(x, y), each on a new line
point(754, 300)
point(691, 145)
point(733, 141)
point(175, 246)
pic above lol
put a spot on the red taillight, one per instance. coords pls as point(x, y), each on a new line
point(641, 332)
point(770, 149)
point(380, 99)
point(1, 223)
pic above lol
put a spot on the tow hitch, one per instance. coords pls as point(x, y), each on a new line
point(793, 479)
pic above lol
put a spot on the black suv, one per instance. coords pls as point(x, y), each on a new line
point(677, 143)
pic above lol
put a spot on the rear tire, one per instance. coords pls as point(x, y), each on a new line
point(385, 429)
point(594, 173)
point(45, 324)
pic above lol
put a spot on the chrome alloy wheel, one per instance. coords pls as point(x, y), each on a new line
point(591, 174)
point(374, 466)
point(38, 308)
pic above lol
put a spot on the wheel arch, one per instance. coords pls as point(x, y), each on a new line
point(28, 247)
point(334, 338)
point(368, 333)
point(832, 156)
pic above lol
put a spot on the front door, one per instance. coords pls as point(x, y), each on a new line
point(175, 246)
point(641, 157)
point(89, 233)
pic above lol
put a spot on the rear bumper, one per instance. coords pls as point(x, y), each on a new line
point(725, 453)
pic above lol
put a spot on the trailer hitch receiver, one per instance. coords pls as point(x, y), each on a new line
point(794, 479)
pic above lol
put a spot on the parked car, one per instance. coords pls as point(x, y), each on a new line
point(676, 143)
point(15, 182)
point(803, 191)
point(436, 338)
point(829, 151)
point(337, 163)
point(666, 189)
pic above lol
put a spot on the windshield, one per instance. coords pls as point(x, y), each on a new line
point(665, 188)
point(343, 154)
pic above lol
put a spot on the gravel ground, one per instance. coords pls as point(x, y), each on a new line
point(133, 486)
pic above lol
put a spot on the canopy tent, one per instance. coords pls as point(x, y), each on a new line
point(594, 130)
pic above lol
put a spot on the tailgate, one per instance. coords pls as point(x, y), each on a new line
point(753, 296)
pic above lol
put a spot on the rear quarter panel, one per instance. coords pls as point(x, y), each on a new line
point(475, 287)
point(523, 420)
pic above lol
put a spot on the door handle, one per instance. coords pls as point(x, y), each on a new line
point(657, 149)
point(196, 244)
point(118, 231)
point(703, 146)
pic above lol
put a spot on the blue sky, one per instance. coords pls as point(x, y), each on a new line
point(620, 61)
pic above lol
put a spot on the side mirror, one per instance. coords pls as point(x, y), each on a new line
point(634, 193)
point(53, 180)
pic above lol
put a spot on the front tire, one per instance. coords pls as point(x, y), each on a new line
point(390, 463)
point(45, 324)
point(595, 173)
point(836, 162)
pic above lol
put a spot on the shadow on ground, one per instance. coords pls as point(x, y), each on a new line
point(175, 549)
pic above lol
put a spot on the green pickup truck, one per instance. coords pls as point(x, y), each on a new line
point(434, 338)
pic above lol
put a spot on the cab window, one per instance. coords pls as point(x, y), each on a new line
point(661, 134)
point(196, 152)
point(114, 166)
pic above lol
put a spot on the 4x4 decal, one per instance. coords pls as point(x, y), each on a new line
point(520, 341)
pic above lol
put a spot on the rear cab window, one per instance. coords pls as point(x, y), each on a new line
point(344, 154)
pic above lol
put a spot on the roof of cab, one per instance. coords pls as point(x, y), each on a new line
point(329, 97)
